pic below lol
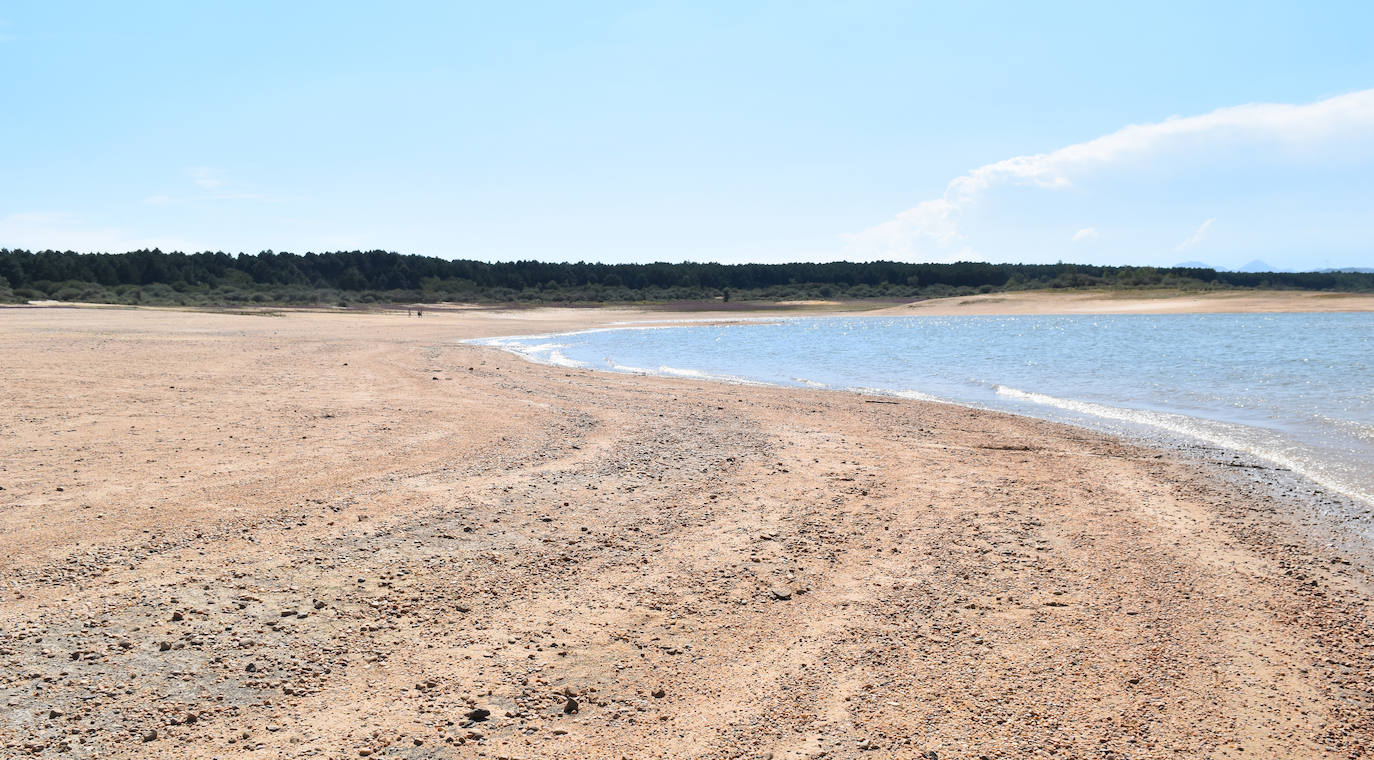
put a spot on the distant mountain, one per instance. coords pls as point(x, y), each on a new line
point(1364, 270)
point(1196, 265)
point(1257, 266)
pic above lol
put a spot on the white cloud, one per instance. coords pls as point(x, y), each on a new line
point(1197, 236)
point(931, 228)
point(929, 222)
point(1087, 233)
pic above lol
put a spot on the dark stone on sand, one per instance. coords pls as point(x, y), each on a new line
point(479, 714)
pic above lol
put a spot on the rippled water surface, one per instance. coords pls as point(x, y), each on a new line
point(1294, 389)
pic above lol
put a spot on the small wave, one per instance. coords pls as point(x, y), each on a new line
point(695, 321)
point(1220, 434)
point(540, 353)
point(697, 374)
point(809, 383)
point(911, 395)
point(557, 359)
point(1356, 429)
point(918, 396)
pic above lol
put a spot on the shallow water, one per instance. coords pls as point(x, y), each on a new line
point(1296, 390)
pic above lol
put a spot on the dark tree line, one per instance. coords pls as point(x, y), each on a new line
point(377, 276)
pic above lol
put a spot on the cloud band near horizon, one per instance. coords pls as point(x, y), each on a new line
point(930, 230)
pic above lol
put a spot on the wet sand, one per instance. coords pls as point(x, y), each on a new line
point(306, 534)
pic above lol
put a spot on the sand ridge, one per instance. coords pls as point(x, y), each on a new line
point(301, 534)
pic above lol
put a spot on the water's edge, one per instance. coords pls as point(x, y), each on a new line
point(1322, 515)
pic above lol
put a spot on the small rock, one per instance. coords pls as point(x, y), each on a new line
point(164, 646)
point(781, 593)
point(570, 706)
point(479, 714)
point(150, 735)
point(177, 617)
point(659, 693)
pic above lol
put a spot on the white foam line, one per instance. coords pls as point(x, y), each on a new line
point(696, 374)
point(702, 320)
point(1192, 427)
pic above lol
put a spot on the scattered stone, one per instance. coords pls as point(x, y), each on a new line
point(150, 735)
point(781, 593)
point(478, 714)
point(570, 706)
point(659, 693)
point(177, 617)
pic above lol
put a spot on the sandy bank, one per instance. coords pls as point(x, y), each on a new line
point(1146, 302)
point(337, 535)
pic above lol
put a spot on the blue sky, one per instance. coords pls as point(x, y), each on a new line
point(695, 131)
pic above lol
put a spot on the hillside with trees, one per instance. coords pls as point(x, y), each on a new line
point(361, 277)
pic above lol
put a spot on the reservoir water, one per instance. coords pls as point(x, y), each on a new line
point(1296, 390)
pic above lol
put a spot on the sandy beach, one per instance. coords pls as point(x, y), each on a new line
point(289, 534)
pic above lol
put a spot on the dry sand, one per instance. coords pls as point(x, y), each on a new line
point(1140, 302)
point(337, 535)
